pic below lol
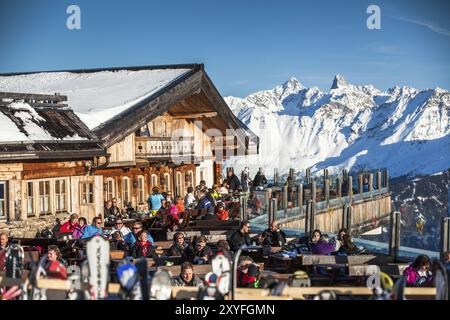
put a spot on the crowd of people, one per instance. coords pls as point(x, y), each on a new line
point(137, 242)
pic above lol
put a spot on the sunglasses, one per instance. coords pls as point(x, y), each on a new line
point(136, 228)
point(119, 223)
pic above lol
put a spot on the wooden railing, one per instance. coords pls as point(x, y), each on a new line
point(156, 148)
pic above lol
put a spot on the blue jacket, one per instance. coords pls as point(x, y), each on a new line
point(130, 238)
point(204, 203)
point(91, 231)
point(154, 201)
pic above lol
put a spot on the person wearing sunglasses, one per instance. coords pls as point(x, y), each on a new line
point(95, 229)
point(120, 226)
point(131, 237)
point(179, 245)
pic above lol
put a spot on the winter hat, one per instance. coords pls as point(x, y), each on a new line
point(253, 270)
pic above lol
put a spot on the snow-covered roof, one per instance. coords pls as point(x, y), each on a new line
point(96, 96)
point(20, 122)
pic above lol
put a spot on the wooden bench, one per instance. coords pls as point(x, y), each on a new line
point(313, 259)
point(200, 270)
point(211, 236)
point(367, 270)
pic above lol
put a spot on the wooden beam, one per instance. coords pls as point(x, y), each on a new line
point(32, 96)
point(194, 115)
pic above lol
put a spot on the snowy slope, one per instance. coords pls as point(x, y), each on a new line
point(96, 96)
point(353, 127)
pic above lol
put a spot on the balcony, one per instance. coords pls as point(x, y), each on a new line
point(165, 149)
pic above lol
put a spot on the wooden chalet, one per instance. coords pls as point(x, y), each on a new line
point(46, 153)
point(164, 126)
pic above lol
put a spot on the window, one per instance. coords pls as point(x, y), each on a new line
point(191, 178)
point(2, 200)
point(30, 199)
point(202, 174)
point(141, 189)
point(179, 188)
point(164, 129)
point(109, 188)
point(60, 195)
point(167, 181)
point(154, 180)
point(126, 189)
point(87, 193)
point(44, 197)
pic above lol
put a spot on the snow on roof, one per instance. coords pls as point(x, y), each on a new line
point(95, 96)
point(20, 122)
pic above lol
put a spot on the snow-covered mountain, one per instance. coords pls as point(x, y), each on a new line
point(355, 127)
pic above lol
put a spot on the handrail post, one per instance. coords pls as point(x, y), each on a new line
point(360, 184)
point(313, 190)
point(394, 241)
point(339, 189)
point(285, 201)
point(445, 235)
point(272, 211)
point(371, 184)
point(327, 192)
point(307, 218)
point(350, 188)
point(378, 181)
point(312, 217)
point(241, 211)
point(308, 175)
point(344, 216)
point(386, 179)
point(300, 199)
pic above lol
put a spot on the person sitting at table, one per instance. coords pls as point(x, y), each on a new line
point(54, 254)
point(179, 246)
point(131, 237)
point(120, 226)
point(143, 247)
point(418, 273)
point(323, 246)
point(348, 248)
point(4, 241)
point(200, 253)
point(247, 273)
point(340, 239)
point(95, 229)
point(79, 228)
point(179, 203)
point(222, 213)
point(69, 226)
point(117, 242)
point(241, 237)
point(315, 237)
point(187, 277)
point(273, 236)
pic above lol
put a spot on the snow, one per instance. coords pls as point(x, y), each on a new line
point(355, 127)
point(31, 125)
point(98, 96)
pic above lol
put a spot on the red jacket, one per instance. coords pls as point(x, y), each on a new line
point(67, 227)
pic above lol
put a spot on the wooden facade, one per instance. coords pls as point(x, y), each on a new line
point(171, 139)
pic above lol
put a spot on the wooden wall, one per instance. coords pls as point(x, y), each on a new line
point(123, 152)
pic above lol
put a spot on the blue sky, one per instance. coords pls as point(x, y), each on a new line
point(246, 45)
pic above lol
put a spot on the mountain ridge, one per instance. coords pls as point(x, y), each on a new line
point(355, 127)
